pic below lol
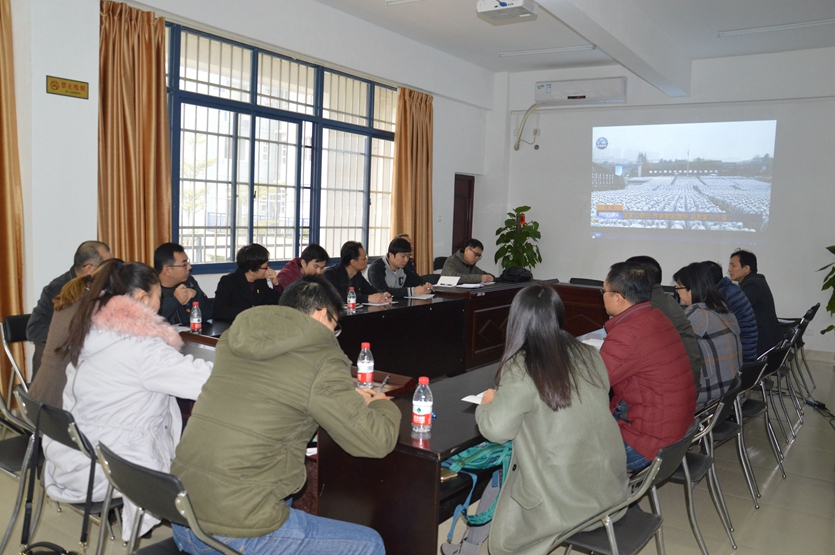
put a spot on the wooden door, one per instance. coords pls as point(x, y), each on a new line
point(462, 211)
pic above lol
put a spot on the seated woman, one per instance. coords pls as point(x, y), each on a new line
point(123, 378)
point(552, 400)
point(716, 330)
point(247, 286)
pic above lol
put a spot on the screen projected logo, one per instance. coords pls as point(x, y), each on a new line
point(712, 176)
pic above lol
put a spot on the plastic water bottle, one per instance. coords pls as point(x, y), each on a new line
point(365, 368)
point(352, 300)
point(422, 407)
point(195, 318)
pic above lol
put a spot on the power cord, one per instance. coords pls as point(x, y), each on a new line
point(825, 412)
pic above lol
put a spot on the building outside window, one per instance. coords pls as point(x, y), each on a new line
point(275, 151)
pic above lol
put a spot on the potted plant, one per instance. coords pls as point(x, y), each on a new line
point(829, 283)
point(517, 240)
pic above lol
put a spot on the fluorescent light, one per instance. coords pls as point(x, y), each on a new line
point(392, 2)
point(548, 50)
point(786, 27)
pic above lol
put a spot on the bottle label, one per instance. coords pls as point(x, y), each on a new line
point(352, 305)
point(196, 325)
point(421, 413)
point(365, 372)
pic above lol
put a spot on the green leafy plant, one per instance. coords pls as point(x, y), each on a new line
point(829, 283)
point(517, 240)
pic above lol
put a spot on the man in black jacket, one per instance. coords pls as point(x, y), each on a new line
point(743, 270)
point(352, 261)
point(179, 288)
point(88, 255)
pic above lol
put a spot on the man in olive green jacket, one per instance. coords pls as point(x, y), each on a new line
point(279, 374)
point(463, 264)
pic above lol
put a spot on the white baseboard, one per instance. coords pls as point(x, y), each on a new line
point(820, 356)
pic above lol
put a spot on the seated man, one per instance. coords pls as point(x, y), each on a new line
point(739, 305)
point(392, 273)
point(649, 371)
point(247, 286)
point(279, 375)
point(672, 310)
point(743, 270)
point(88, 255)
point(352, 261)
point(462, 264)
point(179, 288)
point(312, 261)
point(411, 264)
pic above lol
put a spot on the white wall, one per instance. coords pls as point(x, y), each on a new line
point(789, 87)
point(57, 134)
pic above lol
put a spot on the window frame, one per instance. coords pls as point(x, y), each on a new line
point(178, 97)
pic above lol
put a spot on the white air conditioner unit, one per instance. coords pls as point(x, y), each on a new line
point(607, 90)
point(504, 10)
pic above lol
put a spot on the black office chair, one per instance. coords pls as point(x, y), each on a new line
point(626, 536)
point(161, 494)
point(59, 425)
point(430, 278)
point(438, 263)
point(585, 281)
point(798, 349)
point(14, 331)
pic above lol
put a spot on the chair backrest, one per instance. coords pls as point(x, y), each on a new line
point(750, 375)
point(726, 405)
point(158, 493)
point(586, 281)
point(672, 455)
point(56, 424)
point(775, 357)
point(438, 263)
point(29, 407)
point(14, 331)
point(810, 314)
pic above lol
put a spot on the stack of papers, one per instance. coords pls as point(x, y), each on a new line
point(475, 399)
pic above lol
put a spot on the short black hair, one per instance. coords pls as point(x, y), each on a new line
point(88, 252)
point(716, 271)
point(349, 251)
point(475, 244)
point(312, 293)
point(399, 245)
point(631, 280)
point(746, 258)
point(252, 257)
point(164, 255)
point(652, 266)
point(314, 252)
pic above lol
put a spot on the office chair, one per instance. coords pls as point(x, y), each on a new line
point(586, 281)
point(14, 331)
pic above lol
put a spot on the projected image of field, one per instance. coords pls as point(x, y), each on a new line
point(700, 176)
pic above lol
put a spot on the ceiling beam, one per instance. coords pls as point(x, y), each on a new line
point(630, 37)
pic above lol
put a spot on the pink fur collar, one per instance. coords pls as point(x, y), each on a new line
point(127, 316)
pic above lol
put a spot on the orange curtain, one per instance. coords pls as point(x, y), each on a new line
point(11, 196)
point(134, 153)
point(411, 197)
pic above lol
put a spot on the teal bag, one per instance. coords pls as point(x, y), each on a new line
point(483, 456)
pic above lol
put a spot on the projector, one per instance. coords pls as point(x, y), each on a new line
point(504, 10)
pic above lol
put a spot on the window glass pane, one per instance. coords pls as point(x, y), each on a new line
point(286, 85)
point(379, 209)
point(343, 180)
point(274, 195)
point(385, 108)
point(214, 68)
point(206, 168)
point(345, 99)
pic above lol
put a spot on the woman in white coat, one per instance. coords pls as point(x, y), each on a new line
point(125, 373)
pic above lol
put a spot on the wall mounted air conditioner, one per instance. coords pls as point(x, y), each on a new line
point(505, 10)
point(576, 92)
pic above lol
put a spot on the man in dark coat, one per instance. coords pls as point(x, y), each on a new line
point(743, 270)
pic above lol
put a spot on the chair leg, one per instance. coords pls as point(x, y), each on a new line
point(798, 408)
point(20, 491)
point(610, 532)
point(811, 377)
point(691, 510)
point(798, 374)
point(779, 376)
point(104, 522)
point(770, 401)
point(747, 469)
point(656, 509)
point(719, 502)
point(772, 437)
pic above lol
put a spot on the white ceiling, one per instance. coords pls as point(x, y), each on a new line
point(656, 39)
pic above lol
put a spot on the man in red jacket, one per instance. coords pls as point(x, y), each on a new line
point(654, 393)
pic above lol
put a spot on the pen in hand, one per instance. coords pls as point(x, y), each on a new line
point(382, 385)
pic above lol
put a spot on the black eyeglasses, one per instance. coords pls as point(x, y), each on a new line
point(603, 292)
point(185, 264)
point(476, 253)
point(338, 328)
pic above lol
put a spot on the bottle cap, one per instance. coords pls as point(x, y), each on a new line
point(366, 345)
point(350, 289)
point(195, 303)
point(423, 380)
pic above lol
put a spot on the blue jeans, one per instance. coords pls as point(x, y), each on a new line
point(634, 460)
point(301, 534)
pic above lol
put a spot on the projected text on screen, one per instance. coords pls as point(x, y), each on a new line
point(687, 176)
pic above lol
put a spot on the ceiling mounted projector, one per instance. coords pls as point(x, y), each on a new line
point(506, 10)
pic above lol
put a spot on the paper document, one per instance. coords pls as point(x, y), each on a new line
point(311, 451)
point(475, 399)
point(594, 342)
point(380, 304)
point(470, 285)
point(424, 296)
point(448, 281)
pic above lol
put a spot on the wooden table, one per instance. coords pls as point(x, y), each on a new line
point(401, 496)
point(488, 309)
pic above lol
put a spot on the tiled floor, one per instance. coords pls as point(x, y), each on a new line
point(796, 515)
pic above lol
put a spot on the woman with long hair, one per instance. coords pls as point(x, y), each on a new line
point(715, 327)
point(552, 401)
point(124, 374)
